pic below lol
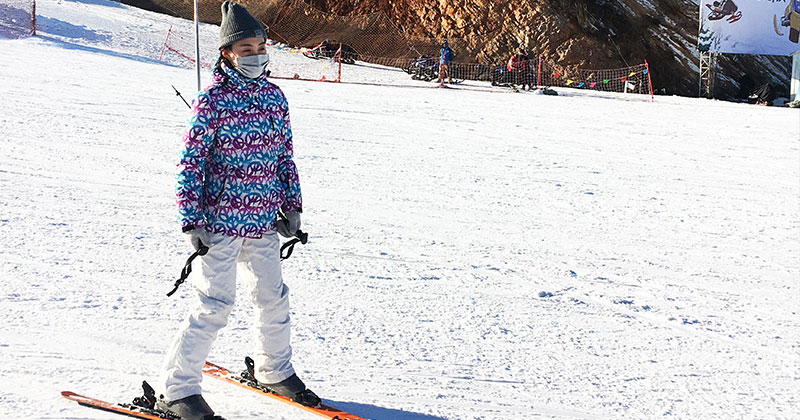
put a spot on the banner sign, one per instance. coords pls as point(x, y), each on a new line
point(770, 27)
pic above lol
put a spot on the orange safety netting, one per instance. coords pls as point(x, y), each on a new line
point(299, 28)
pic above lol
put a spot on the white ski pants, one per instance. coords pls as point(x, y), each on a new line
point(216, 291)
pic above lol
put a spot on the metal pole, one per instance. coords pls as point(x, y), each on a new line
point(700, 32)
point(700, 77)
point(33, 17)
point(197, 44)
point(649, 81)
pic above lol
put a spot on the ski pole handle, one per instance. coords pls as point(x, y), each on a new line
point(302, 236)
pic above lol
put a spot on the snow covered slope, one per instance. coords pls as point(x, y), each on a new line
point(472, 255)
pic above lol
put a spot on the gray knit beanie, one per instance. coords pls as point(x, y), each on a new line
point(237, 24)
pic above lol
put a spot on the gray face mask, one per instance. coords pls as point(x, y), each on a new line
point(252, 66)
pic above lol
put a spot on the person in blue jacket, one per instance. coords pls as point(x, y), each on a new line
point(445, 57)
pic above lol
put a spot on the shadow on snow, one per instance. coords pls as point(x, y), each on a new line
point(117, 54)
point(379, 413)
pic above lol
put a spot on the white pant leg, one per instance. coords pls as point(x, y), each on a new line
point(216, 291)
point(273, 353)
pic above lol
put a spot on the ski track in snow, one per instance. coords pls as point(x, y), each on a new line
point(472, 255)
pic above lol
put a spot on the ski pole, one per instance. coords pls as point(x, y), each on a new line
point(181, 96)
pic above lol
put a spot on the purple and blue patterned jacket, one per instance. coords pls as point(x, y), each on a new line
point(236, 167)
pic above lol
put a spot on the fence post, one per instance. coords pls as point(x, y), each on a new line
point(649, 81)
point(33, 17)
point(441, 72)
point(163, 48)
point(539, 73)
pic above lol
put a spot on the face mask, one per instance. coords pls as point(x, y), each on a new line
point(252, 66)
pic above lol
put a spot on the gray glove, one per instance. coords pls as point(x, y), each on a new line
point(288, 227)
point(194, 237)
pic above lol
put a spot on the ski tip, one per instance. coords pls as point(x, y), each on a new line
point(212, 365)
point(78, 398)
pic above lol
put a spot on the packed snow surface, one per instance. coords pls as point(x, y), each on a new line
point(473, 255)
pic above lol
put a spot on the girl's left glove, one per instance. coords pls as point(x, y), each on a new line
point(288, 227)
point(194, 237)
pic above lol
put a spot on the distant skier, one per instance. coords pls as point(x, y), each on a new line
point(235, 173)
point(445, 57)
point(518, 65)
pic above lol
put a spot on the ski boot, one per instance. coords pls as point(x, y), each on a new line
point(292, 387)
point(193, 407)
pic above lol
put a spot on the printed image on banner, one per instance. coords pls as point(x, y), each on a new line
point(770, 27)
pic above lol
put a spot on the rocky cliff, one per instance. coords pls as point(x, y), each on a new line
point(590, 34)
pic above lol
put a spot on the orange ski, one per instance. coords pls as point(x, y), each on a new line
point(123, 409)
point(323, 410)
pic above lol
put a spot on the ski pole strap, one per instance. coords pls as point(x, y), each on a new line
point(187, 269)
point(300, 237)
point(289, 248)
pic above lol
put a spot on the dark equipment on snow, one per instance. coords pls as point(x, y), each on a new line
point(502, 77)
point(746, 86)
point(427, 69)
point(522, 76)
point(764, 95)
point(423, 68)
point(547, 91)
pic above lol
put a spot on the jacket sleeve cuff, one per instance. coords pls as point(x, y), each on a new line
point(292, 206)
point(192, 226)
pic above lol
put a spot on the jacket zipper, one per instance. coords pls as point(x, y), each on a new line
point(219, 196)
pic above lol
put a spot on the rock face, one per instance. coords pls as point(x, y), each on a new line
point(585, 34)
point(590, 34)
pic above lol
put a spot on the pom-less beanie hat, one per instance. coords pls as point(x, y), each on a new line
point(237, 24)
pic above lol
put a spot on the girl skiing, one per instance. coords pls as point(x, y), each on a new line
point(235, 173)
